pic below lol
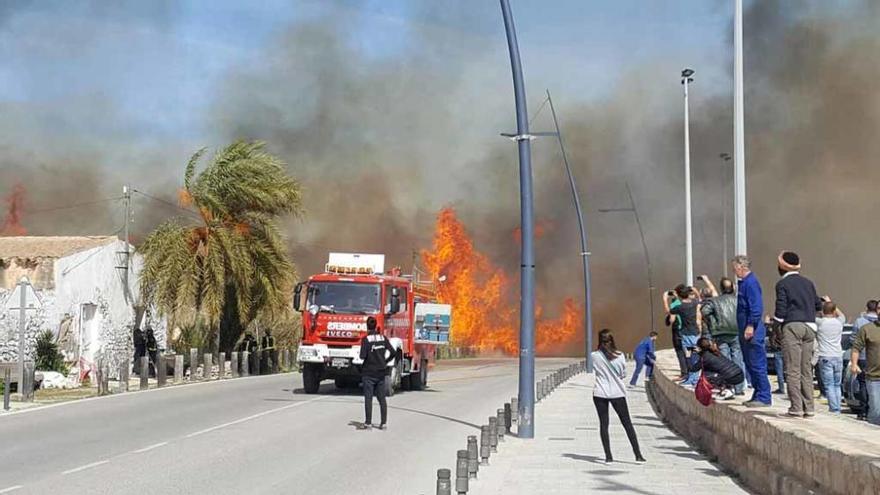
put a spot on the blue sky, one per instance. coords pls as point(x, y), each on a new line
point(158, 65)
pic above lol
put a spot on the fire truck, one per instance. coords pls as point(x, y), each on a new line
point(335, 306)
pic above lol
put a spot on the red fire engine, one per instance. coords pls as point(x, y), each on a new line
point(338, 302)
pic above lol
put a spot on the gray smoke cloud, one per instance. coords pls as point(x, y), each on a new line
point(381, 142)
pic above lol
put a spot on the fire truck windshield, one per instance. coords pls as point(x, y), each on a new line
point(345, 297)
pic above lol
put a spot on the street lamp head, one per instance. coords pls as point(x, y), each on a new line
point(725, 156)
point(687, 72)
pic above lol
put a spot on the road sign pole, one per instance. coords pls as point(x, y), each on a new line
point(22, 328)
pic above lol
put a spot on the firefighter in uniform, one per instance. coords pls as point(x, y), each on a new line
point(152, 351)
point(376, 353)
point(267, 358)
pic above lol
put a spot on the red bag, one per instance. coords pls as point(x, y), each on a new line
point(703, 390)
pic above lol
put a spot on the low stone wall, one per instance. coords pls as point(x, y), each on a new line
point(772, 455)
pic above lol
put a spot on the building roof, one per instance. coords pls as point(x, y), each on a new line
point(50, 246)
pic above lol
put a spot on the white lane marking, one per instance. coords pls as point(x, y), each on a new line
point(10, 489)
point(151, 447)
point(254, 416)
point(87, 466)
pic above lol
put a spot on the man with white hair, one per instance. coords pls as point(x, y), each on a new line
point(749, 309)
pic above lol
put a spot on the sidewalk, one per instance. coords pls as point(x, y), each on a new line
point(566, 456)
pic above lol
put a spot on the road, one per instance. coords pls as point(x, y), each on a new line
point(253, 435)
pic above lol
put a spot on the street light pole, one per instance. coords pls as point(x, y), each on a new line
point(585, 254)
point(739, 151)
point(635, 211)
point(725, 157)
point(526, 426)
point(686, 79)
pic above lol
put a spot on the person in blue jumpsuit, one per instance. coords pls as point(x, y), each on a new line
point(644, 356)
point(752, 333)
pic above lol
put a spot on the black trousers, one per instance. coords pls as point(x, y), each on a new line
point(622, 410)
point(679, 353)
point(374, 386)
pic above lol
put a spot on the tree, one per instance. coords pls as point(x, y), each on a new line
point(233, 256)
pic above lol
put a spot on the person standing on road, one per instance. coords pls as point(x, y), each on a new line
point(868, 340)
point(691, 323)
point(749, 309)
point(609, 367)
point(376, 353)
point(796, 307)
point(721, 311)
point(644, 356)
point(830, 329)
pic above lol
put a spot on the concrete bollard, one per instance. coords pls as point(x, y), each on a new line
point(221, 373)
point(233, 364)
point(444, 484)
point(193, 363)
point(145, 373)
point(493, 434)
point(208, 365)
point(161, 370)
point(99, 378)
point(255, 364)
point(473, 456)
point(514, 410)
point(288, 356)
point(508, 417)
point(124, 370)
point(461, 472)
point(178, 369)
point(282, 357)
point(485, 447)
point(499, 419)
point(245, 363)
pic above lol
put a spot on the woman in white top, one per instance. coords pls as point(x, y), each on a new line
point(610, 388)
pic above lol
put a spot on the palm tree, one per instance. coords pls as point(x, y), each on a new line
point(233, 256)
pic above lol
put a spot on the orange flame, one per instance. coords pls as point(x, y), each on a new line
point(484, 309)
point(12, 221)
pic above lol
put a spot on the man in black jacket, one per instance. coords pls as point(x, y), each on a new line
point(376, 353)
point(796, 305)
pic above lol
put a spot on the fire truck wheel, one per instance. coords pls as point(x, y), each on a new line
point(311, 378)
point(392, 382)
point(418, 380)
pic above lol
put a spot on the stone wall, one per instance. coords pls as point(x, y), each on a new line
point(771, 454)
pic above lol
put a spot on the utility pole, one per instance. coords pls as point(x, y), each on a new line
point(739, 151)
point(585, 253)
point(688, 235)
point(725, 157)
point(126, 196)
point(526, 425)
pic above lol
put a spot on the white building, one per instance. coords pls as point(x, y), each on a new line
point(85, 300)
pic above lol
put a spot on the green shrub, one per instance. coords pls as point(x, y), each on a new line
point(48, 356)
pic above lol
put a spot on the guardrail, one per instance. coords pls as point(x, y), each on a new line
point(492, 434)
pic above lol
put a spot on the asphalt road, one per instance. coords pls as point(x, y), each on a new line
point(253, 435)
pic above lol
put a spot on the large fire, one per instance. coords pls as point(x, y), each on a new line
point(484, 309)
point(12, 220)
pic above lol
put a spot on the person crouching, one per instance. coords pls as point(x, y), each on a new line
point(721, 372)
point(376, 353)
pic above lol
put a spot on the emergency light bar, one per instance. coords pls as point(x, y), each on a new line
point(355, 264)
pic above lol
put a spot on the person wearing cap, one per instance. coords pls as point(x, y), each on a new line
point(377, 353)
point(796, 305)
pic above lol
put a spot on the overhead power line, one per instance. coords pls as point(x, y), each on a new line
point(71, 206)
point(167, 203)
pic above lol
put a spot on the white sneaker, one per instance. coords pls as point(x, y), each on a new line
point(726, 394)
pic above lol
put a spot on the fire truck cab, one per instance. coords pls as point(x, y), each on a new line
point(335, 306)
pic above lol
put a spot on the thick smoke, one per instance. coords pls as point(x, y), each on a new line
point(382, 141)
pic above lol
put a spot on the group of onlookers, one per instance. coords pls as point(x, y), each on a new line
point(726, 335)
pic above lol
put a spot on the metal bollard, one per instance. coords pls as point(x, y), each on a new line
point(178, 369)
point(161, 370)
point(206, 374)
point(461, 472)
point(514, 410)
point(145, 373)
point(473, 456)
point(124, 369)
point(193, 363)
point(245, 363)
point(499, 418)
point(7, 381)
point(508, 417)
point(233, 364)
point(221, 373)
point(485, 448)
point(444, 485)
point(493, 434)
